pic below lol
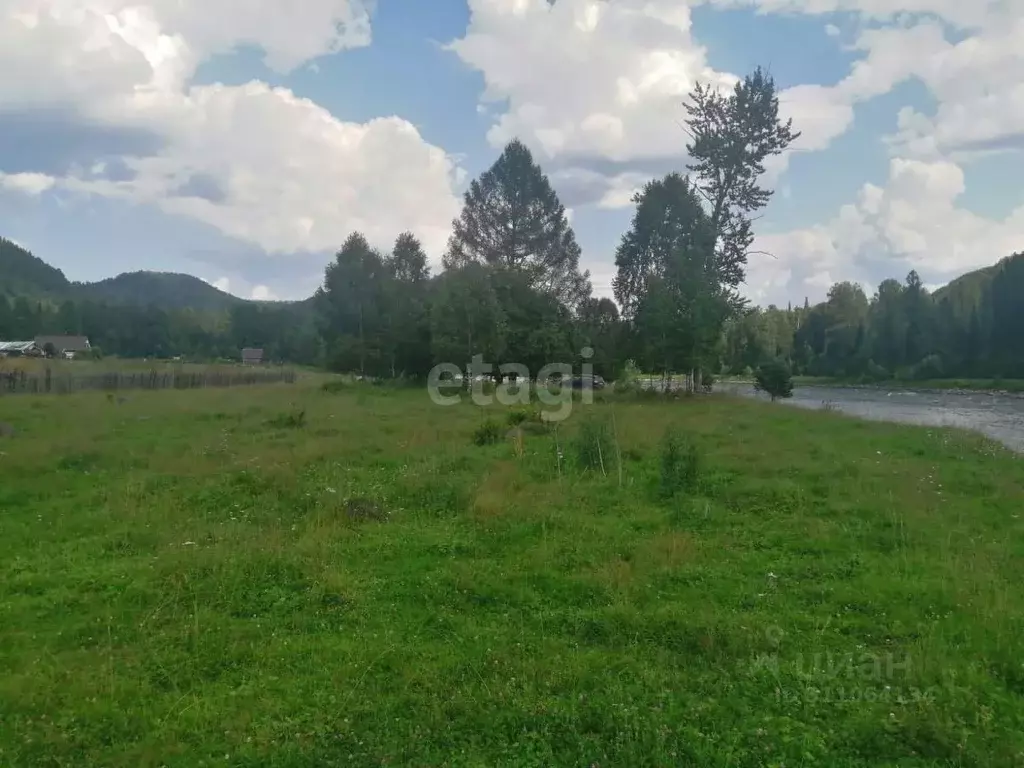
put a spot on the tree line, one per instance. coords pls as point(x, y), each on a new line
point(512, 288)
point(971, 329)
point(286, 331)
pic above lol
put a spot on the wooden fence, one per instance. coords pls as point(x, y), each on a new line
point(48, 382)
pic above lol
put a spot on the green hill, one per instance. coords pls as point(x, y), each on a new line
point(22, 274)
point(167, 290)
point(969, 290)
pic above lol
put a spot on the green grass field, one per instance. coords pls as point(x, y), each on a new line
point(85, 367)
point(283, 576)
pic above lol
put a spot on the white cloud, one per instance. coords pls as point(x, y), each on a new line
point(302, 181)
point(607, 81)
point(108, 47)
point(262, 293)
point(258, 163)
point(962, 13)
point(911, 223)
point(222, 284)
point(603, 79)
point(29, 183)
point(288, 38)
point(832, 30)
point(977, 82)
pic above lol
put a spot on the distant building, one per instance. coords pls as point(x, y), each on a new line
point(20, 349)
point(252, 356)
point(64, 346)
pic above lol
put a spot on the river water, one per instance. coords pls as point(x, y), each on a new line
point(999, 416)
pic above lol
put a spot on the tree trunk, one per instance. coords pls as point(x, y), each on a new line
point(362, 344)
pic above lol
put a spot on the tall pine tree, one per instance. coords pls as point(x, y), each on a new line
point(512, 220)
point(351, 307)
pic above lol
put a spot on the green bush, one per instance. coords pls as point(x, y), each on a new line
point(594, 445)
point(518, 416)
point(335, 386)
point(488, 433)
point(875, 372)
point(680, 464)
point(775, 378)
point(929, 368)
point(292, 420)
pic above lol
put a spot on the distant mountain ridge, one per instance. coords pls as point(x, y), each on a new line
point(167, 290)
point(968, 290)
point(24, 274)
point(21, 273)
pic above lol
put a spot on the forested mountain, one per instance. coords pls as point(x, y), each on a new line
point(973, 327)
point(22, 274)
point(167, 290)
point(147, 314)
point(971, 288)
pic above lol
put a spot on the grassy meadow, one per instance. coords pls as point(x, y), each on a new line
point(37, 366)
point(286, 576)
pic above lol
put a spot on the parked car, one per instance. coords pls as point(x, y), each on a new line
point(587, 381)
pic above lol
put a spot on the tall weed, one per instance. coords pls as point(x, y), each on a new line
point(680, 464)
point(594, 446)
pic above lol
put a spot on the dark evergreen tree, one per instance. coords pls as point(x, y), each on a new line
point(775, 379)
point(407, 315)
point(512, 220)
point(351, 307)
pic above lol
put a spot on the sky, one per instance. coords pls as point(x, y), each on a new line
point(241, 141)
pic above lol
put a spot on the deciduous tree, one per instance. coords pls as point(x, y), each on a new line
point(732, 135)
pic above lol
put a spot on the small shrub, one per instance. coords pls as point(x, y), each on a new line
point(633, 454)
point(293, 420)
point(875, 372)
point(630, 373)
point(335, 386)
point(361, 509)
point(517, 417)
point(594, 446)
point(680, 464)
point(488, 433)
point(929, 368)
point(775, 378)
point(535, 425)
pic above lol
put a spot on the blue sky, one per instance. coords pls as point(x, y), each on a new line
point(242, 146)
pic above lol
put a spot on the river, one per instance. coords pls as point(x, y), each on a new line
point(999, 416)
